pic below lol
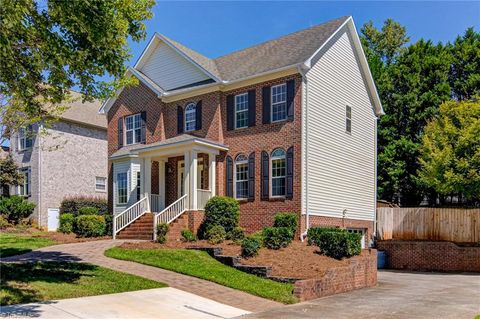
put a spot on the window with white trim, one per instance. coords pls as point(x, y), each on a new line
point(24, 188)
point(348, 119)
point(25, 138)
point(122, 188)
point(278, 173)
point(241, 177)
point(241, 110)
point(100, 184)
point(279, 102)
point(190, 117)
point(133, 129)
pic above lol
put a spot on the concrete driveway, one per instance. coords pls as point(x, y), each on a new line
point(159, 303)
point(403, 295)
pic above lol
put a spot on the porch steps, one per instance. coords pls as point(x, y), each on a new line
point(176, 227)
point(142, 228)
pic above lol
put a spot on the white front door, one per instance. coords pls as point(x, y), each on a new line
point(53, 214)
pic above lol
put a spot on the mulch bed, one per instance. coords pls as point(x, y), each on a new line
point(298, 260)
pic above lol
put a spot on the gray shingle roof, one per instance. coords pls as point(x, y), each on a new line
point(281, 52)
point(86, 112)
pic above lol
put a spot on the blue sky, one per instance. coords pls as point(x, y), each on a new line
point(219, 27)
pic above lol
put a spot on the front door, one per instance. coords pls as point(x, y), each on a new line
point(181, 177)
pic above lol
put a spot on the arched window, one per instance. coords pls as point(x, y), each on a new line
point(190, 117)
point(278, 173)
point(241, 176)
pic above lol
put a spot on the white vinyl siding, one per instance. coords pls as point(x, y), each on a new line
point(131, 168)
point(169, 70)
point(339, 167)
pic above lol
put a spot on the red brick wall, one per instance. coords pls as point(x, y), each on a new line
point(360, 273)
point(430, 256)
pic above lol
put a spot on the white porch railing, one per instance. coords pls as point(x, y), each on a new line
point(129, 215)
point(203, 195)
point(170, 213)
point(155, 203)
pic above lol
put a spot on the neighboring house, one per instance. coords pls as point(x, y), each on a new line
point(288, 125)
point(69, 158)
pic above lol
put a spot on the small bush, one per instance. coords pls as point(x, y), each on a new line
point(216, 234)
point(15, 208)
point(250, 246)
point(162, 230)
point(314, 232)
point(223, 211)
point(4, 223)
point(66, 222)
point(339, 244)
point(109, 224)
point(187, 235)
point(277, 237)
point(73, 204)
point(90, 225)
point(258, 235)
point(88, 210)
point(237, 234)
point(289, 220)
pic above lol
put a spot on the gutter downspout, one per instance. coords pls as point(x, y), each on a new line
point(376, 177)
point(303, 71)
point(39, 175)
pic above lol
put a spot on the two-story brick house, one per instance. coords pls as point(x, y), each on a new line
point(288, 125)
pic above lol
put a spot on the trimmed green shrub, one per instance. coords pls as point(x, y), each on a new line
point(90, 225)
point(88, 210)
point(109, 224)
point(258, 235)
point(73, 204)
point(250, 246)
point(289, 220)
point(223, 211)
point(216, 234)
point(4, 223)
point(314, 232)
point(15, 208)
point(66, 223)
point(237, 234)
point(187, 235)
point(339, 244)
point(277, 237)
point(162, 230)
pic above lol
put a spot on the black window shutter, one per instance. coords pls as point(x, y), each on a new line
point(251, 177)
point(179, 119)
point(266, 105)
point(120, 132)
point(290, 98)
point(229, 176)
point(265, 172)
point(289, 190)
point(29, 181)
point(143, 134)
point(198, 115)
point(230, 113)
point(251, 108)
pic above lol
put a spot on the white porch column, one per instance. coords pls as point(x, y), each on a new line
point(161, 183)
point(186, 175)
point(147, 179)
point(193, 179)
point(212, 172)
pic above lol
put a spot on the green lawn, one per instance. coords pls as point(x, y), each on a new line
point(32, 282)
point(14, 244)
point(200, 264)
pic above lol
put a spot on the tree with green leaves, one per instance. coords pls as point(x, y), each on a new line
point(450, 151)
point(51, 46)
point(9, 172)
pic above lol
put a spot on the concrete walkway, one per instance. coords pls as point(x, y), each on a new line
point(93, 252)
point(162, 303)
point(399, 295)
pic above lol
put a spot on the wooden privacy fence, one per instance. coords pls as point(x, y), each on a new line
point(459, 225)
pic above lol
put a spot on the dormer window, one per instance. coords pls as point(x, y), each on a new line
point(190, 117)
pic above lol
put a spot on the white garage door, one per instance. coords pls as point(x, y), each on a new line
point(53, 214)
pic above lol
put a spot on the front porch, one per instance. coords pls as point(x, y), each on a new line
point(167, 179)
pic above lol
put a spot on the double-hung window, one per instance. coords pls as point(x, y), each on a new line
point(133, 129)
point(279, 102)
point(100, 184)
point(122, 188)
point(190, 117)
point(241, 110)
point(348, 119)
point(241, 177)
point(25, 138)
point(24, 188)
point(278, 173)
